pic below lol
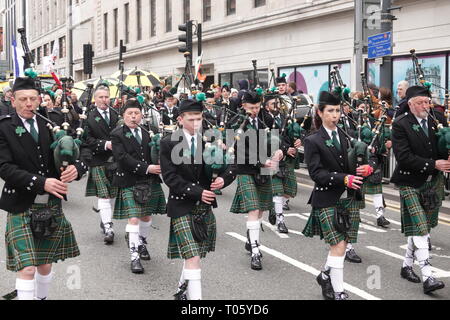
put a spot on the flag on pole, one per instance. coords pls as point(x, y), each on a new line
point(18, 68)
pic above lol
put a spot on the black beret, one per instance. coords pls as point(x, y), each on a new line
point(250, 97)
point(281, 80)
point(190, 105)
point(209, 94)
point(270, 96)
point(168, 94)
point(417, 91)
point(25, 83)
point(327, 98)
point(132, 103)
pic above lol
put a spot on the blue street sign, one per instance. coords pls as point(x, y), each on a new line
point(380, 45)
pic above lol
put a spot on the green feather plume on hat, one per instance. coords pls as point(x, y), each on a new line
point(284, 75)
point(259, 91)
point(31, 73)
point(200, 97)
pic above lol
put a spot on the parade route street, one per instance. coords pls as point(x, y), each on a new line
point(290, 262)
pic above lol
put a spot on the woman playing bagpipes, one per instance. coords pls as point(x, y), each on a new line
point(335, 213)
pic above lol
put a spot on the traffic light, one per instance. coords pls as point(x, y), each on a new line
point(186, 37)
point(88, 54)
point(199, 38)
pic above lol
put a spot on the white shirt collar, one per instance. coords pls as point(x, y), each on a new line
point(102, 112)
point(330, 132)
point(419, 120)
point(25, 120)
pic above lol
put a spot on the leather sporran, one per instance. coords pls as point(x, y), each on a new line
point(110, 169)
point(43, 223)
point(199, 227)
point(376, 177)
point(282, 172)
point(429, 199)
point(260, 179)
point(341, 219)
point(142, 192)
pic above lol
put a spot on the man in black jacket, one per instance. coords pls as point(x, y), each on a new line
point(98, 154)
point(5, 104)
point(33, 184)
point(191, 196)
point(140, 195)
point(420, 164)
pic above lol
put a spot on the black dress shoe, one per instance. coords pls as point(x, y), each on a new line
point(109, 233)
point(282, 227)
point(136, 266)
point(432, 284)
point(286, 206)
point(382, 222)
point(351, 256)
point(341, 296)
point(143, 252)
point(181, 294)
point(408, 274)
point(255, 263)
point(272, 217)
point(324, 280)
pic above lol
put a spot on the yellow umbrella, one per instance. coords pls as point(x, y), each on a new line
point(138, 77)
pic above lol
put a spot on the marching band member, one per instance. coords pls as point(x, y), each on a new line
point(254, 187)
point(335, 215)
point(140, 195)
point(33, 188)
point(419, 175)
point(100, 123)
point(170, 110)
point(190, 198)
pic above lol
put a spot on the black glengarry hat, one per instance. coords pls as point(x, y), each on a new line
point(190, 105)
point(25, 83)
point(417, 91)
point(132, 103)
point(327, 98)
point(251, 97)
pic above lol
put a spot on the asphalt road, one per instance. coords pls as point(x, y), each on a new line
point(290, 262)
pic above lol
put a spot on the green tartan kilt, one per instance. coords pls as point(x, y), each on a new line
point(320, 223)
point(361, 204)
point(373, 188)
point(250, 197)
point(98, 184)
point(415, 220)
point(287, 185)
point(181, 242)
point(126, 207)
point(25, 251)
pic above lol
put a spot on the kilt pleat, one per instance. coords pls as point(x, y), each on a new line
point(285, 186)
point(126, 207)
point(415, 220)
point(181, 241)
point(373, 188)
point(321, 223)
point(250, 197)
point(98, 184)
point(23, 250)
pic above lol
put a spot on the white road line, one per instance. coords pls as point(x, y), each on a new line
point(438, 273)
point(373, 215)
point(304, 267)
point(275, 230)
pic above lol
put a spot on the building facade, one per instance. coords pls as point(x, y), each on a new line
point(302, 38)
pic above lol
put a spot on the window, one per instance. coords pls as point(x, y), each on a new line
point(105, 31)
point(168, 15)
point(234, 77)
point(260, 3)
point(62, 47)
point(39, 54)
point(46, 53)
point(206, 10)
point(186, 10)
point(127, 22)
point(116, 28)
point(231, 7)
point(152, 18)
point(139, 19)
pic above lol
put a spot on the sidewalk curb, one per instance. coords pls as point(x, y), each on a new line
point(390, 194)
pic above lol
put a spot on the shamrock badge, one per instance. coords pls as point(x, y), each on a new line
point(329, 143)
point(97, 119)
point(416, 127)
point(128, 135)
point(20, 130)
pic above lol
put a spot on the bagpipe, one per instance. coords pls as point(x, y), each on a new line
point(66, 149)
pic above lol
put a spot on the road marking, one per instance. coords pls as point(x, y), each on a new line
point(438, 273)
point(275, 230)
point(304, 267)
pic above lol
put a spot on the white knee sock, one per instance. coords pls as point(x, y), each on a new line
point(42, 284)
point(144, 228)
point(112, 203)
point(349, 247)
point(194, 289)
point(336, 265)
point(253, 227)
point(25, 289)
point(409, 255)
point(422, 255)
point(104, 205)
point(278, 204)
point(378, 203)
point(133, 238)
